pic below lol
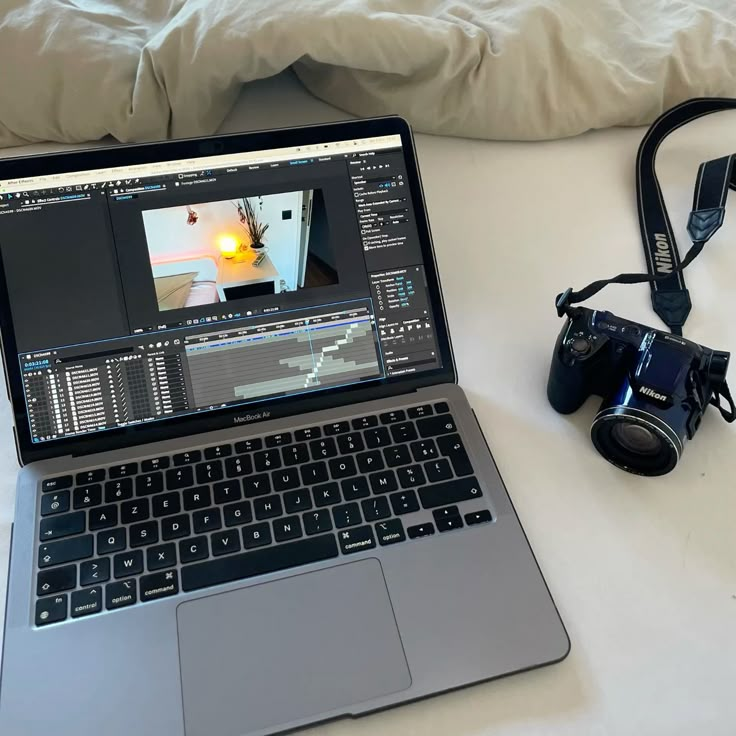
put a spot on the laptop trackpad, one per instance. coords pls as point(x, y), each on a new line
point(275, 653)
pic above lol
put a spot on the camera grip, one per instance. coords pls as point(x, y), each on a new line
point(569, 382)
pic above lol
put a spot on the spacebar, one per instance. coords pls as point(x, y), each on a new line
point(258, 562)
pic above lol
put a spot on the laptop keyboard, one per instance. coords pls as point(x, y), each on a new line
point(126, 534)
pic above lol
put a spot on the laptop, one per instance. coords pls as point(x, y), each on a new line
point(253, 495)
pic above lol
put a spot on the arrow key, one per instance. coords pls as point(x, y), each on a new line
point(94, 571)
point(56, 580)
point(86, 601)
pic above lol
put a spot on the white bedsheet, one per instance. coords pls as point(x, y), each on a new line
point(77, 70)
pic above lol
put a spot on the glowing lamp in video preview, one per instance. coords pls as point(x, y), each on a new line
point(228, 245)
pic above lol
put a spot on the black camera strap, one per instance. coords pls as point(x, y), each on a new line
point(670, 297)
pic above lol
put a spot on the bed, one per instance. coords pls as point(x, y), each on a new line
point(184, 283)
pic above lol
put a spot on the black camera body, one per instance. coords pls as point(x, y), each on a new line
point(655, 386)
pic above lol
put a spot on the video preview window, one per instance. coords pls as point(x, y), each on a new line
point(214, 252)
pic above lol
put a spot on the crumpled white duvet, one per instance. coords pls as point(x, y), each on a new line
point(77, 70)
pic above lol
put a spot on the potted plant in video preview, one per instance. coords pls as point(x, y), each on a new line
point(251, 224)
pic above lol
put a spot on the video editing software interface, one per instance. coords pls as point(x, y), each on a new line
point(158, 290)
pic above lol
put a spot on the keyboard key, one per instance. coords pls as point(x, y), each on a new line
point(448, 512)
point(56, 484)
point(237, 513)
point(449, 492)
point(397, 455)
point(287, 528)
point(256, 485)
point(177, 478)
point(404, 432)
point(55, 503)
point(50, 610)
point(65, 550)
point(112, 540)
point(364, 422)
point(132, 511)
point(65, 525)
point(314, 473)
point(258, 562)
point(433, 426)
point(118, 490)
point(56, 580)
point(348, 443)
point(103, 517)
point(451, 446)
point(389, 417)
point(277, 440)
point(337, 428)
point(238, 465)
point(193, 549)
point(317, 522)
point(267, 460)
point(417, 412)
point(249, 445)
point(210, 471)
point(411, 476)
point(166, 504)
point(346, 515)
point(197, 498)
point(94, 571)
point(310, 433)
point(159, 585)
point(377, 437)
point(85, 602)
point(267, 507)
point(217, 451)
point(127, 563)
point(323, 449)
point(227, 491)
point(295, 454)
point(442, 407)
point(424, 450)
point(149, 483)
point(87, 496)
point(122, 471)
point(370, 461)
point(390, 532)
point(447, 525)
point(295, 501)
point(342, 467)
point(438, 470)
point(478, 517)
point(355, 488)
point(155, 463)
point(326, 494)
point(207, 520)
point(383, 482)
point(119, 595)
point(145, 533)
point(404, 502)
point(420, 530)
point(285, 479)
point(175, 527)
point(357, 539)
point(376, 508)
point(164, 555)
point(187, 458)
point(256, 535)
point(90, 476)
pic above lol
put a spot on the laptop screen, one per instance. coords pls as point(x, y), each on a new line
point(160, 290)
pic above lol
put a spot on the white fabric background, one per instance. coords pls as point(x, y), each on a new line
point(76, 70)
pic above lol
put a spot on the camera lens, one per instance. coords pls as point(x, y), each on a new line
point(636, 438)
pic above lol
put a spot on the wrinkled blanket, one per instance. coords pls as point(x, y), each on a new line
point(77, 70)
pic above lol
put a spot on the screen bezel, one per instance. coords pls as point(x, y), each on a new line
point(126, 155)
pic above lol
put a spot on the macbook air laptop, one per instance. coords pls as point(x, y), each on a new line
point(253, 495)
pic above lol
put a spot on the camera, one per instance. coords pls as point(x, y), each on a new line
point(655, 386)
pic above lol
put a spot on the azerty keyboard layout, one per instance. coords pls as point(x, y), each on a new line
point(117, 536)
